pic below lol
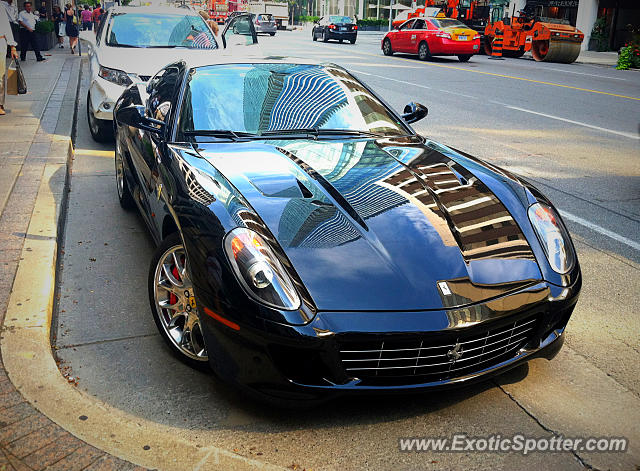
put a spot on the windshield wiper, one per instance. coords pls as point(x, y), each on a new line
point(221, 133)
point(317, 132)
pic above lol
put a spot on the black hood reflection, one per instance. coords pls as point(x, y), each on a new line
point(375, 225)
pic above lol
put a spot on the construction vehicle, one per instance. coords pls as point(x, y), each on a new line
point(548, 39)
point(219, 10)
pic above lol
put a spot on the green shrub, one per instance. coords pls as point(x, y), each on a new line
point(600, 34)
point(372, 22)
point(629, 57)
point(307, 19)
point(45, 27)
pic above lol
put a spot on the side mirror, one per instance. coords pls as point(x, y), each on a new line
point(414, 112)
point(134, 116)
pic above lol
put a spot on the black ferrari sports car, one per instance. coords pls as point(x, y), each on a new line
point(311, 243)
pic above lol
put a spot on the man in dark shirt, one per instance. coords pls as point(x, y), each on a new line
point(42, 11)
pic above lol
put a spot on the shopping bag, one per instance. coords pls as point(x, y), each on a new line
point(75, 20)
point(22, 83)
point(12, 78)
point(62, 29)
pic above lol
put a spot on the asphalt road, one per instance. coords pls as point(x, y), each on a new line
point(570, 129)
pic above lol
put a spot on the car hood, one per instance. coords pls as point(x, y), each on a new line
point(148, 61)
point(380, 225)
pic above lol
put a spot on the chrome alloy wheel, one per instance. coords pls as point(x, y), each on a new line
point(175, 304)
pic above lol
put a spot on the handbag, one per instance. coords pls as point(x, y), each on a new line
point(22, 83)
point(12, 78)
point(75, 20)
point(62, 29)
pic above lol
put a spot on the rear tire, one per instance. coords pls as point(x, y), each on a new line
point(464, 57)
point(272, 34)
point(313, 35)
point(488, 45)
point(101, 129)
point(386, 47)
point(340, 41)
point(423, 51)
point(352, 41)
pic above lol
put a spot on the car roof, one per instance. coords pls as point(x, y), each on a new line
point(155, 10)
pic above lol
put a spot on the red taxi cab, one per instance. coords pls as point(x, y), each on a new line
point(432, 37)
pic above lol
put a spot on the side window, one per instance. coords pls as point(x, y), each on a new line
point(407, 25)
point(239, 32)
point(419, 24)
point(161, 89)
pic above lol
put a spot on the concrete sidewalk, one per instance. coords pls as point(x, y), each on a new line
point(36, 151)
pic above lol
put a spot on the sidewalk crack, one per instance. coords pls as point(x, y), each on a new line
point(579, 459)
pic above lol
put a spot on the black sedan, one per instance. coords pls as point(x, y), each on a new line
point(311, 243)
point(341, 28)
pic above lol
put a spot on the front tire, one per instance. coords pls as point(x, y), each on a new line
point(272, 34)
point(325, 37)
point(172, 302)
point(101, 130)
point(423, 51)
point(386, 47)
point(464, 57)
point(313, 35)
point(124, 194)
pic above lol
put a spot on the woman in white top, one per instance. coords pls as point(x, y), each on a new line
point(6, 39)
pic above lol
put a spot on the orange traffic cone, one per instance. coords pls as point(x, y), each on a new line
point(496, 46)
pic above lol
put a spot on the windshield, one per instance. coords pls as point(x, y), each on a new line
point(141, 30)
point(445, 23)
point(264, 17)
point(340, 19)
point(263, 98)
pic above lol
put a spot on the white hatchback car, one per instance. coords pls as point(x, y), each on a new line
point(133, 43)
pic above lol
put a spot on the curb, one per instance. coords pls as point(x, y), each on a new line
point(31, 367)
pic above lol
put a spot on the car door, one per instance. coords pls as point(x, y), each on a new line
point(147, 149)
point(402, 39)
point(317, 28)
point(416, 35)
point(239, 32)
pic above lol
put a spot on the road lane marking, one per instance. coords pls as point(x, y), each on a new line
point(601, 230)
point(578, 123)
point(584, 73)
point(392, 79)
point(493, 74)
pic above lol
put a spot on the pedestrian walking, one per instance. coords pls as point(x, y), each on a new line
point(96, 14)
point(6, 39)
point(86, 18)
point(58, 20)
point(71, 29)
point(27, 20)
point(12, 12)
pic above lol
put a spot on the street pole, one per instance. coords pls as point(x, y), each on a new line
point(390, 14)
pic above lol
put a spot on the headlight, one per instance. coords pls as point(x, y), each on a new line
point(259, 270)
point(115, 76)
point(553, 237)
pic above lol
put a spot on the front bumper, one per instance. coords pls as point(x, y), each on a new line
point(104, 95)
point(284, 362)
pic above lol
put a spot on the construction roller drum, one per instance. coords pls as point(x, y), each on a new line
point(555, 51)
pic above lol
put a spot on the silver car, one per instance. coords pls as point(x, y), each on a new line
point(264, 23)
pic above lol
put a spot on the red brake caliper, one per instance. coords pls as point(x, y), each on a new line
point(172, 297)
